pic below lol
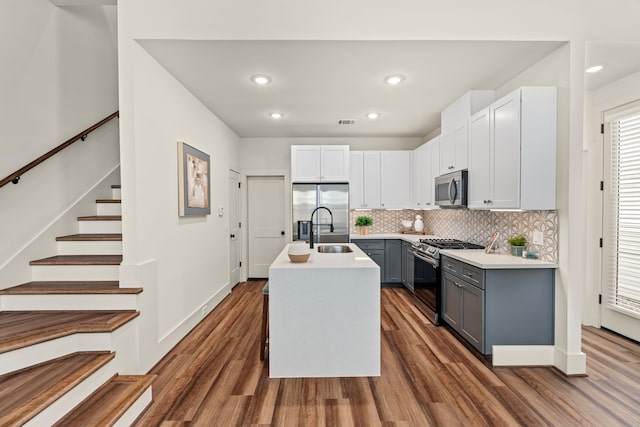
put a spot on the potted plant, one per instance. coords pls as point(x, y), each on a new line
point(518, 243)
point(363, 222)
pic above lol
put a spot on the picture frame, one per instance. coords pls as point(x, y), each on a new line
point(194, 181)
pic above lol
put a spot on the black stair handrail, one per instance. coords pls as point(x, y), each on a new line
point(15, 177)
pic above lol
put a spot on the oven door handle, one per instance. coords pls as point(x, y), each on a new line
point(452, 198)
point(429, 261)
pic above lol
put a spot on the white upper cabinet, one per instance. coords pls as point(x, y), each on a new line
point(512, 152)
point(364, 181)
point(426, 160)
point(319, 163)
point(395, 179)
point(454, 127)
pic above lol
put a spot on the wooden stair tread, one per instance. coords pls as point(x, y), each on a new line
point(90, 238)
point(100, 218)
point(69, 287)
point(107, 404)
point(108, 201)
point(20, 329)
point(25, 393)
point(79, 260)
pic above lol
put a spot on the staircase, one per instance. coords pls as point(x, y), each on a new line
point(61, 334)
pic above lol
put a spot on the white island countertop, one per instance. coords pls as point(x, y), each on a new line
point(324, 315)
point(355, 259)
point(480, 259)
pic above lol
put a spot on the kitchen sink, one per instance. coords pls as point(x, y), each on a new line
point(334, 249)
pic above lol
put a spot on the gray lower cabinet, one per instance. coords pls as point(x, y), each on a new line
point(408, 261)
point(375, 249)
point(387, 254)
point(393, 261)
point(498, 307)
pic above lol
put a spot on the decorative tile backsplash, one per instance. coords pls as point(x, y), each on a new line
point(475, 226)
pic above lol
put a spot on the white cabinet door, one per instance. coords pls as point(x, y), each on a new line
point(364, 180)
point(460, 142)
point(447, 153)
point(480, 161)
point(334, 163)
point(505, 136)
point(305, 163)
point(395, 179)
point(418, 176)
point(371, 168)
point(356, 180)
point(426, 161)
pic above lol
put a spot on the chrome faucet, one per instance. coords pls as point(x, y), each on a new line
point(311, 225)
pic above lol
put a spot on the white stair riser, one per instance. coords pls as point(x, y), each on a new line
point(108, 208)
point(100, 227)
point(127, 419)
point(71, 399)
point(74, 272)
point(52, 349)
point(90, 248)
point(68, 302)
point(116, 193)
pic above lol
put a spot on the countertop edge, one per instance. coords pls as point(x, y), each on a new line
point(479, 259)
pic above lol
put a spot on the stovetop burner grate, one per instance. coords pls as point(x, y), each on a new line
point(450, 244)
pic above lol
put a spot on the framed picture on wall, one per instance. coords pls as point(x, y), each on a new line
point(194, 181)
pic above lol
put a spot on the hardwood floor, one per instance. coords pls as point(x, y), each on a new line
point(214, 378)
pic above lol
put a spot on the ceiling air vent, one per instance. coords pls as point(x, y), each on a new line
point(346, 122)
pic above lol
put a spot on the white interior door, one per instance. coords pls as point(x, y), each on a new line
point(266, 222)
point(621, 222)
point(235, 245)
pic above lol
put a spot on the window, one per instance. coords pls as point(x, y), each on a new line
point(622, 206)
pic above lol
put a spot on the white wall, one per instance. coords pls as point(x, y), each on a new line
point(58, 77)
point(181, 262)
point(275, 153)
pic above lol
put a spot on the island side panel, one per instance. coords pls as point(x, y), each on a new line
point(324, 322)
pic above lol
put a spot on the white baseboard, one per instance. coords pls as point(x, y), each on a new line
point(570, 364)
point(182, 329)
point(523, 355)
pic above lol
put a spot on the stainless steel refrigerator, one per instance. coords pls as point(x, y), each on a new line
point(307, 197)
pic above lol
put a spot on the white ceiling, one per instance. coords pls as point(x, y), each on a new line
point(317, 83)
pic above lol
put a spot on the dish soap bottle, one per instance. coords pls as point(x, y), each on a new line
point(418, 225)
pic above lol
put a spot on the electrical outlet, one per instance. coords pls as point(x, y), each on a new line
point(538, 238)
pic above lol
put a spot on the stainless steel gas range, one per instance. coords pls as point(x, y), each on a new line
point(426, 274)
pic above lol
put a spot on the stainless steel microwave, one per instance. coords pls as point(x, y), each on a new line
point(451, 190)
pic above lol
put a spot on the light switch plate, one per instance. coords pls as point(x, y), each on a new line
point(538, 238)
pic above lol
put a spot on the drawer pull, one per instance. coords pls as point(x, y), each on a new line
point(449, 265)
point(458, 284)
point(469, 274)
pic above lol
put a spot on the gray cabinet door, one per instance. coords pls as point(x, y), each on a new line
point(451, 296)
point(377, 255)
point(405, 255)
point(472, 318)
point(393, 261)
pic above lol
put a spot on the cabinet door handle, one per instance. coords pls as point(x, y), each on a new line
point(458, 284)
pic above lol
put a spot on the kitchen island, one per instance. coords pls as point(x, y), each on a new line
point(324, 315)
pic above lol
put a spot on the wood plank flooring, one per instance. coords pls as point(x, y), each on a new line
point(214, 378)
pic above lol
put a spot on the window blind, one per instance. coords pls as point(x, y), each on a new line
point(624, 211)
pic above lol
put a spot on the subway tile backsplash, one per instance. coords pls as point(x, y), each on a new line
point(475, 226)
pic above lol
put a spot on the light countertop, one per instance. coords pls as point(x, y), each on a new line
point(478, 258)
point(391, 236)
point(356, 259)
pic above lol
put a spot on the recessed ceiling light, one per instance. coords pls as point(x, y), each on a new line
point(261, 79)
point(276, 115)
point(594, 69)
point(394, 79)
point(373, 116)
